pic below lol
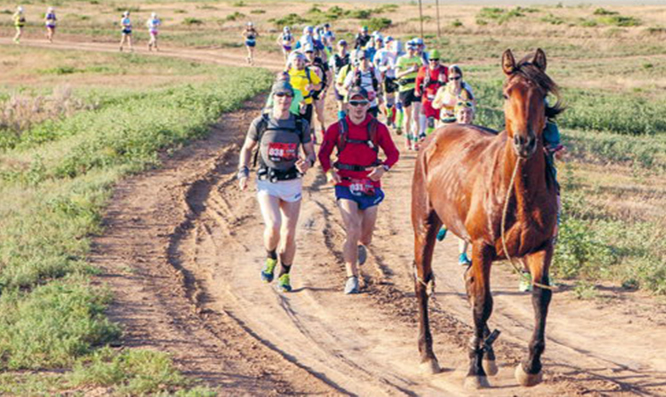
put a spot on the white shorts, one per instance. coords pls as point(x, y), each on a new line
point(289, 191)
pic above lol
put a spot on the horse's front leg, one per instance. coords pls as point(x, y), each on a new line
point(528, 373)
point(425, 233)
point(478, 291)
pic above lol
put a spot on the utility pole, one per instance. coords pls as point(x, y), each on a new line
point(421, 16)
point(439, 32)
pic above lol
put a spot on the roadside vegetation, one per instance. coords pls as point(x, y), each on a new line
point(73, 123)
point(55, 177)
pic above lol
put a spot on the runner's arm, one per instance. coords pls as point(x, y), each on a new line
point(388, 146)
point(327, 146)
point(419, 81)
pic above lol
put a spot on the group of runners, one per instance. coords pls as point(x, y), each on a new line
point(378, 84)
point(50, 22)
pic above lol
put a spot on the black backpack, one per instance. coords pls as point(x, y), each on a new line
point(262, 127)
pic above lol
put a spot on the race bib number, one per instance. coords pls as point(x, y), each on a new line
point(431, 97)
point(282, 151)
point(359, 187)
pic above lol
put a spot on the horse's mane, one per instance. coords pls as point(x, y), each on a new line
point(531, 72)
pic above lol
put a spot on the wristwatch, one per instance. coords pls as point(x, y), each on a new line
point(386, 167)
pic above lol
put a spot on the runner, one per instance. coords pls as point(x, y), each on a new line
point(428, 81)
point(365, 75)
point(456, 90)
point(406, 71)
point(250, 35)
point(286, 41)
point(329, 40)
point(306, 38)
point(305, 80)
point(358, 192)
point(296, 101)
point(375, 44)
point(464, 112)
point(321, 68)
point(50, 22)
point(126, 25)
point(153, 25)
point(385, 60)
point(19, 23)
point(362, 38)
point(338, 62)
point(279, 136)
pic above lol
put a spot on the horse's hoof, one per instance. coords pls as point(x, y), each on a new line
point(430, 367)
point(527, 380)
point(490, 367)
point(476, 382)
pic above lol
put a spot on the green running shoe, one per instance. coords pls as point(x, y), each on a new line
point(268, 270)
point(525, 284)
point(284, 284)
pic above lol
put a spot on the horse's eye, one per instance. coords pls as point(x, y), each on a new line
point(505, 96)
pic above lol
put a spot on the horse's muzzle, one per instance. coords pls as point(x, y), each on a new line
point(524, 146)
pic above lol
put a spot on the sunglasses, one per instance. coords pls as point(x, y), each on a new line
point(282, 94)
point(434, 60)
point(358, 103)
point(455, 78)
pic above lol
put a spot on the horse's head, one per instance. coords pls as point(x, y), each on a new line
point(525, 107)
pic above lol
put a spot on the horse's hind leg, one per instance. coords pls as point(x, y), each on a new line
point(478, 290)
point(425, 233)
point(528, 373)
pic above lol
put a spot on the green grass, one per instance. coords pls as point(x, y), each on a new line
point(55, 184)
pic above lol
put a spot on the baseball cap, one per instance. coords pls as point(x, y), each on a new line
point(342, 42)
point(282, 87)
point(357, 91)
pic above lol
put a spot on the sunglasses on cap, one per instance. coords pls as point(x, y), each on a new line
point(358, 103)
point(455, 78)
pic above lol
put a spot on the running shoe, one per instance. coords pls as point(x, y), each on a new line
point(463, 260)
point(362, 254)
point(351, 287)
point(283, 284)
point(525, 284)
point(441, 235)
point(268, 270)
point(398, 130)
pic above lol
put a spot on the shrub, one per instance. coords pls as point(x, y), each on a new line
point(456, 23)
point(619, 20)
point(190, 21)
point(239, 3)
point(379, 24)
point(235, 16)
point(258, 12)
point(603, 11)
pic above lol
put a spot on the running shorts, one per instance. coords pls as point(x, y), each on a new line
point(364, 201)
point(289, 191)
point(408, 97)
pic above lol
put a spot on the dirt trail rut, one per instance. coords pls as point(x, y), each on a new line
point(182, 251)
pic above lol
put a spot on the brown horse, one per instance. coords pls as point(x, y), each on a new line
point(462, 178)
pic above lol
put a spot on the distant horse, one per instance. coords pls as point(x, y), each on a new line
point(462, 179)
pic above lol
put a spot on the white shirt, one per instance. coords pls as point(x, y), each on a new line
point(366, 82)
point(385, 62)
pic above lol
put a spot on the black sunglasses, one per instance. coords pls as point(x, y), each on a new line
point(434, 60)
point(282, 94)
point(358, 103)
point(455, 78)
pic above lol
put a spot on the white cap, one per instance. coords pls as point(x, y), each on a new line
point(19, 8)
point(153, 15)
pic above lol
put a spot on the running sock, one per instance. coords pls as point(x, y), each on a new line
point(271, 254)
point(422, 123)
point(284, 269)
point(401, 117)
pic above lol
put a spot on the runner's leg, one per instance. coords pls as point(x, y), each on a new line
point(287, 247)
point(270, 211)
point(368, 224)
point(353, 221)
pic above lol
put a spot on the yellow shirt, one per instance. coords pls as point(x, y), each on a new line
point(299, 80)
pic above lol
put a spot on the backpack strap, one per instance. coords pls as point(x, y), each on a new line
point(262, 125)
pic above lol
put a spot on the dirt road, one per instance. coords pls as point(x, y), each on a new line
point(182, 253)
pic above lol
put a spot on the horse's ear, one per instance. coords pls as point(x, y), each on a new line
point(508, 63)
point(539, 60)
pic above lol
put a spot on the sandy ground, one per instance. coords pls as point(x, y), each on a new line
point(182, 253)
